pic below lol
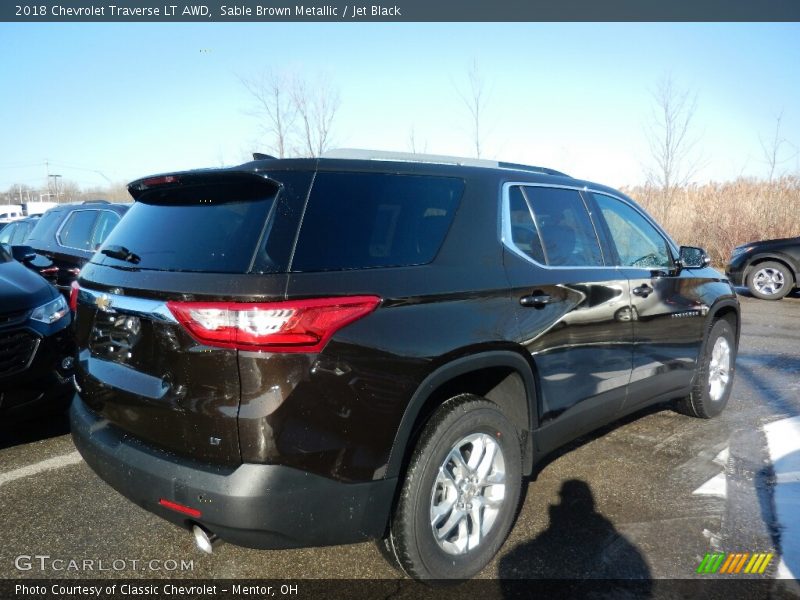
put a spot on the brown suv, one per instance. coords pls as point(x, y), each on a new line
point(308, 352)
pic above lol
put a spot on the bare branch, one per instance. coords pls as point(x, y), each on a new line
point(671, 139)
point(316, 110)
point(274, 108)
point(412, 142)
point(772, 149)
point(475, 98)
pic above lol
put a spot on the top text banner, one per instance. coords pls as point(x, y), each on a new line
point(402, 10)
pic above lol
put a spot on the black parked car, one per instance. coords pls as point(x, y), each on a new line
point(326, 351)
point(36, 349)
point(769, 268)
point(66, 237)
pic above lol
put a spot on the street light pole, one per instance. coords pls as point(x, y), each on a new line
point(55, 185)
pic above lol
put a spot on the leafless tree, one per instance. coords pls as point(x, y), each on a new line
point(316, 106)
point(475, 98)
point(296, 114)
point(672, 139)
point(774, 154)
point(274, 107)
point(18, 193)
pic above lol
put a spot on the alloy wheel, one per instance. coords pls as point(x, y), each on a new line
point(468, 493)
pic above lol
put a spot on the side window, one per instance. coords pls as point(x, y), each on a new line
point(23, 229)
point(524, 234)
point(7, 232)
point(567, 235)
point(365, 220)
point(106, 221)
point(77, 230)
point(638, 243)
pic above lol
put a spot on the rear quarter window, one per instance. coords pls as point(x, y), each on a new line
point(45, 229)
point(367, 220)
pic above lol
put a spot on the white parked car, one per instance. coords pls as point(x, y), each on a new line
point(10, 212)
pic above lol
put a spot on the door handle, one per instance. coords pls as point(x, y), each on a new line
point(537, 300)
point(643, 290)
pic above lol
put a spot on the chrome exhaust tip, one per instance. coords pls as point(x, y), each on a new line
point(204, 539)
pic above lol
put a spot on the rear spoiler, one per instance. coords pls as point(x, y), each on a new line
point(177, 186)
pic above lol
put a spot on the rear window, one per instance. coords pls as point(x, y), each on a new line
point(211, 228)
point(364, 220)
point(45, 229)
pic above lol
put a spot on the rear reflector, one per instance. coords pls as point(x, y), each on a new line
point(192, 512)
point(291, 326)
point(74, 288)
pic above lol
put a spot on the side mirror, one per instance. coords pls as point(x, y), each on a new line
point(692, 257)
point(23, 254)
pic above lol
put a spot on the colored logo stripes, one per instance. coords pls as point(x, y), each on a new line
point(734, 563)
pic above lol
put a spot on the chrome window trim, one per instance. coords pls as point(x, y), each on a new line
point(131, 305)
point(505, 222)
point(64, 222)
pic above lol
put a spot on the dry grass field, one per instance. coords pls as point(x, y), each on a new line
point(719, 216)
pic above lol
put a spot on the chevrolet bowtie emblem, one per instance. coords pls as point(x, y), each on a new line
point(103, 302)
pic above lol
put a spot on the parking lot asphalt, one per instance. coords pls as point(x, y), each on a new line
point(646, 497)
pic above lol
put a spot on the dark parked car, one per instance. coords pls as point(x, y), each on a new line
point(308, 352)
point(66, 237)
point(769, 268)
point(16, 232)
point(36, 350)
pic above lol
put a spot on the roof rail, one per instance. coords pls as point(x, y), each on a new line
point(361, 154)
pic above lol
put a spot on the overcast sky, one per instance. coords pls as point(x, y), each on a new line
point(118, 101)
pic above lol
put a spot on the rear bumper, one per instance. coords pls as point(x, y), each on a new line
point(258, 506)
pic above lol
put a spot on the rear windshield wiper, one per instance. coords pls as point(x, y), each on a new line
point(121, 253)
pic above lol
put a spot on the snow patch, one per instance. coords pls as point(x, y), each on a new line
point(716, 486)
point(783, 444)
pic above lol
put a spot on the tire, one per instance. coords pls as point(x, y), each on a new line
point(714, 376)
point(427, 545)
point(770, 280)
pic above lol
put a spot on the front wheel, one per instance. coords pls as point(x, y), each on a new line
point(714, 377)
point(770, 281)
point(461, 492)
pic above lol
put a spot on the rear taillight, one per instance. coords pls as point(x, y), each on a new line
point(74, 288)
point(291, 326)
point(159, 180)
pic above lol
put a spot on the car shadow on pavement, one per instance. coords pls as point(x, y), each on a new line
point(765, 479)
point(596, 434)
point(33, 430)
point(578, 544)
point(747, 366)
